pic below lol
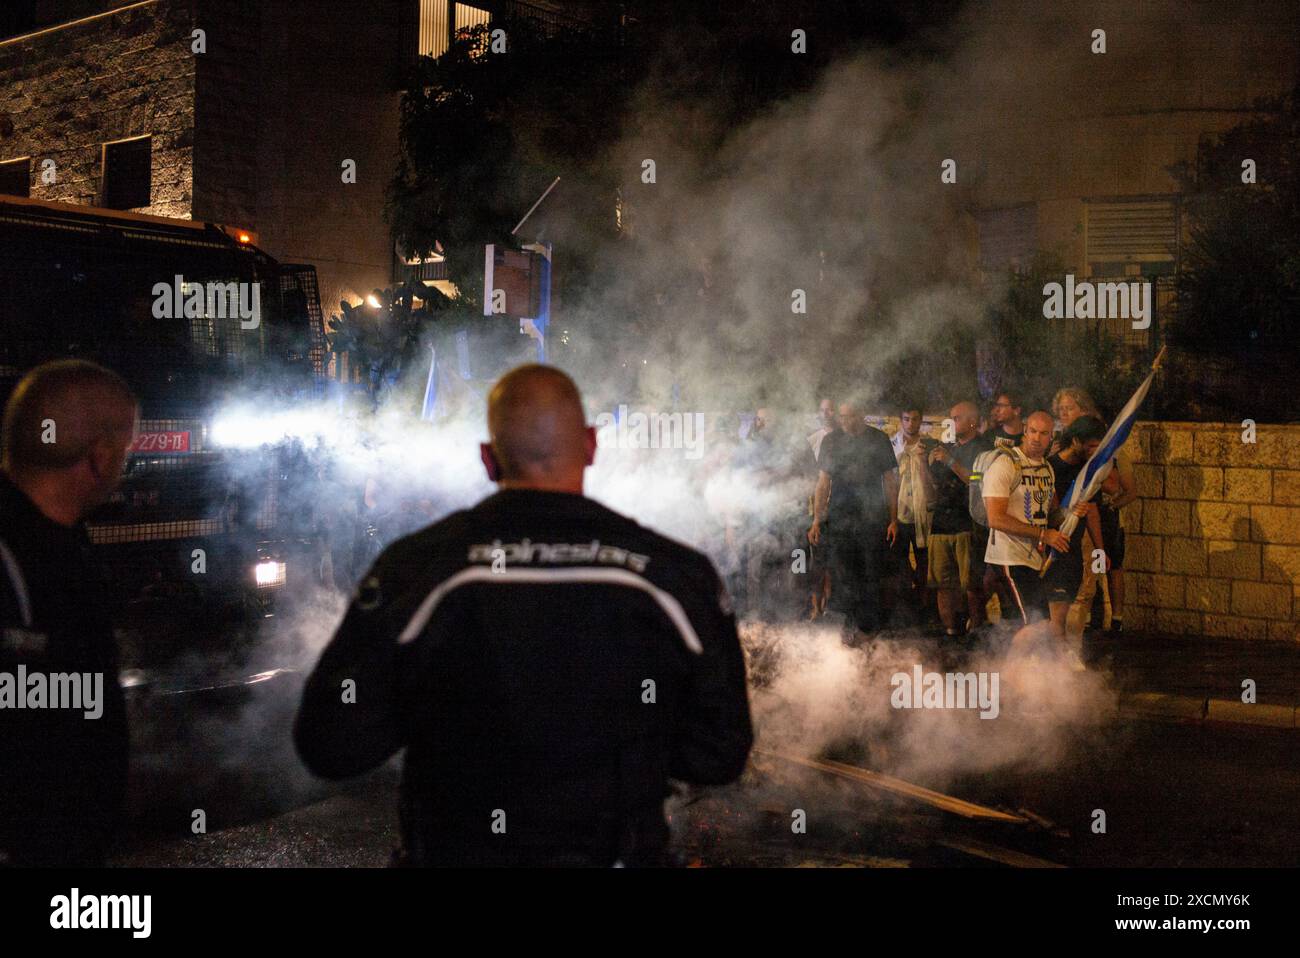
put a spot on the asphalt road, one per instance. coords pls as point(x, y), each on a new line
point(216, 782)
point(1174, 795)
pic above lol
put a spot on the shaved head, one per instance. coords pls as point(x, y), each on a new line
point(1042, 419)
point(538, 430)
point(68, 428)
point(1038, 434)
point(965, 417)
point(59, 411)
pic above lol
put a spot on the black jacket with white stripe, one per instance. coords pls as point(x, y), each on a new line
point(62, 775)
point(549, 665)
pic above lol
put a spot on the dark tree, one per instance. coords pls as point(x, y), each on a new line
point(1037, 356)
point(1238, 291)
point(483, 134)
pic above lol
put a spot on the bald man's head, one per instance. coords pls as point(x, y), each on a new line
point(539, 436)
point(68, 428)
point(965, 417)
point(1038, 434)
point(60, 411)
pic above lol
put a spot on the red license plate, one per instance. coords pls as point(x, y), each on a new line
point(164, 442)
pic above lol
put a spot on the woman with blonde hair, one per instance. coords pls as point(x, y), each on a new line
point(1072, 402)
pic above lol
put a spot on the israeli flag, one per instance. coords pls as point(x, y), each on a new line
point(1098, 466)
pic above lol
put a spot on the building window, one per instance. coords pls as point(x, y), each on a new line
point(16, 177)
point(435, 29)
point(1131, 237)
point(468, 16)
point(439, 21)
point(127, 173)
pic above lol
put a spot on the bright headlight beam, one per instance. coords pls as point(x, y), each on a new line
point(269, 573)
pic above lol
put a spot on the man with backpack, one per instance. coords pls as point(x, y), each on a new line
point(1017, 490)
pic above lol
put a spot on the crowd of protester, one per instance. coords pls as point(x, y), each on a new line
point(938, 525)
point(917, 530)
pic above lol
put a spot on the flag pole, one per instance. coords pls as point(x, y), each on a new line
point(1155, 365)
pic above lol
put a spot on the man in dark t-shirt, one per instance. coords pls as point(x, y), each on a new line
point(956, 565)
point(857, 496)
point(1063, 578)
point(1008, 426)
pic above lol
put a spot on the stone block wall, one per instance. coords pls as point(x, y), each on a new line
point(1214, 539)
point(66, 92)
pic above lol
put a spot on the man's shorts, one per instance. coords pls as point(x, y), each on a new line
point(1064, 578)
point(950, 561)
point(1112, 535)
point(1028, 594)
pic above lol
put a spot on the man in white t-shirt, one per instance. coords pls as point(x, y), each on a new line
point(1018, 490)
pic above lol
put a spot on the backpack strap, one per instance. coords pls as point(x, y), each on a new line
point(1018, 460)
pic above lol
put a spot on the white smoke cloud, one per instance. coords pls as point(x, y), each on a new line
point(816, 696)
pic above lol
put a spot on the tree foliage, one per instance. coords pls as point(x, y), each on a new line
point(1037, 356)
point(387, 339)
point(1238, 289)
point(1239, 286)
point(483, 134)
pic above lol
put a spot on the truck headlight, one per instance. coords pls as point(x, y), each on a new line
point(268, 574)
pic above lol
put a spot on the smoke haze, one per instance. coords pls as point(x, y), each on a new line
point(835, 192)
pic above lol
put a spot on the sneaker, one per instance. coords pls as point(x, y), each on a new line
point(1072, 659)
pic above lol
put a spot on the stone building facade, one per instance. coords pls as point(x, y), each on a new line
point(1097, 104)
point(253, 131)
point(66, 92)
point(1171, 74)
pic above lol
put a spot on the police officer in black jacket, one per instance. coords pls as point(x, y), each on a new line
point(67, 429)
point(548, 664)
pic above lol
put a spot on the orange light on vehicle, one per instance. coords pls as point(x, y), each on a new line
point(245, 238)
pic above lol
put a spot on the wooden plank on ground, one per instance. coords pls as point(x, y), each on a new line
point(996, 853)
point(897, 786)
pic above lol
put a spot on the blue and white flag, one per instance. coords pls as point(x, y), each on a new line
point(1098, 466)
point(430, 408)
point(543, 318)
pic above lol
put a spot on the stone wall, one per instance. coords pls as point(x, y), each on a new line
point(1214, 540)
point(326, 83)
point(228, 119)
point(66, 92)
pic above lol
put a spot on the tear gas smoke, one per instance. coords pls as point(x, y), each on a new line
point(815, 695)
point(835, 192)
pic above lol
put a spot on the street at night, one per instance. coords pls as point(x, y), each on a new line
point(1228, 790)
